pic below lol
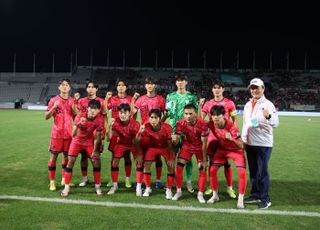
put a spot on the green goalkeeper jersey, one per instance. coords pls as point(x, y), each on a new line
point(175, 103)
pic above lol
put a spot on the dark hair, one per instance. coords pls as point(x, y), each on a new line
point(65, 79)
point(121, 80)
point(150, 80)
point(190, 106)
point(217, 110)
point(157, 112)
point(181, 77)
point(95, 84)
point(124, 106)
point(217, 82)
point(94, 104)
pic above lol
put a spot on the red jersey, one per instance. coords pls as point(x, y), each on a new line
point(83, 103)
point(228, 105)
point(145, 104)
point(125, 133)
point(192, 133)
point(115, 101)
point(85, 135)
point(62, 115)
point(220, 135)
point(159, 138)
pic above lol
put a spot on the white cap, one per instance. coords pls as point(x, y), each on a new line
point(256, 81)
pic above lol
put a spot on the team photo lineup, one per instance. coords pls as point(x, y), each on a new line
point(171, 129)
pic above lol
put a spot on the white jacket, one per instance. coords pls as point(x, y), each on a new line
point(263, 134)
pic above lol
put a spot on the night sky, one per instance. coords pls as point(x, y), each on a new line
point(44, 27)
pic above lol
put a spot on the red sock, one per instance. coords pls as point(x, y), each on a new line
point(170, 180)
point(51, 169)
point(84, 171)
point(114, 173)
point(147, 179)
point(202, 180)
point(139, 174)
point(228, 174)
point(179, 175)
point(214, 178)
point(64, 165)
point(97, 175)
point(128, 166)
point(242, 184)
point(159, 169)
point(68, 175)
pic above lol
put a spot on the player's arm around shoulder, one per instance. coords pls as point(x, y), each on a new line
point(109, 129)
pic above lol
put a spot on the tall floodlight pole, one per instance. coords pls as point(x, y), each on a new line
point(14, 62)
point(76, 58)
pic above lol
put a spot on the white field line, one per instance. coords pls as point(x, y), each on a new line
point(162, 207)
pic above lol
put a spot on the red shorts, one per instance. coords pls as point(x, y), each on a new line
point(151, 153)
point(186, 154)
point(120, 150)
point(113, 142)
point(59, 145)
point(75, 149)
point(223, 155)
point(212, 144)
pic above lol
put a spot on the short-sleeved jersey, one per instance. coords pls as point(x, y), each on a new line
point(85, 134)
point(228, 105)
point(145, 104)
point(62, 124)
point(115, 101)
point(175, 103)
point(125, 133)
point(220, 135)
point(159, 138)
point(83, 103)
point(192, 133)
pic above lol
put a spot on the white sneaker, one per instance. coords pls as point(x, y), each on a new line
point(98, 189)
point(168, 194)
point(65, 192)
point(138, 191)
point(84, 181)
point(240, 204)
point(147, 192)
point(201, 198)
point(213, 199)
point(189, 187)
point(112, 190)
point(177, 196)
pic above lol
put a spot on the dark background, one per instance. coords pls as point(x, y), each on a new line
point(44, 27)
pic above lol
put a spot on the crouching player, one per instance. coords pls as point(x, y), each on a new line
point(230, 146)
point(155, 140)
point(125, 129)
point(195, 131)
point(84, 141)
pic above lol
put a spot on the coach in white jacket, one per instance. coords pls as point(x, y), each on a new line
point(259, 119)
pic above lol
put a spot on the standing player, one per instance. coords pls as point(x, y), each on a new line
point(156, 141)
point(92, 88)
point(195, 131)
point(86, 139)
point(144, 104)
point(230, 113)
point(230, 146)
point(113, 102)
point(175, 103)
point(125, 129)
point(62, 109)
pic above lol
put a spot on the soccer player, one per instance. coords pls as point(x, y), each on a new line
point(77, 96)
point(195, 132)
point(230, 146)
point(175, 103)
point(230, 113)
point(92, 88)
point(86, 139)
point(62, 109)
point(156, 141)
point(144, 104)
point(125, 129)
point(113, 102)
